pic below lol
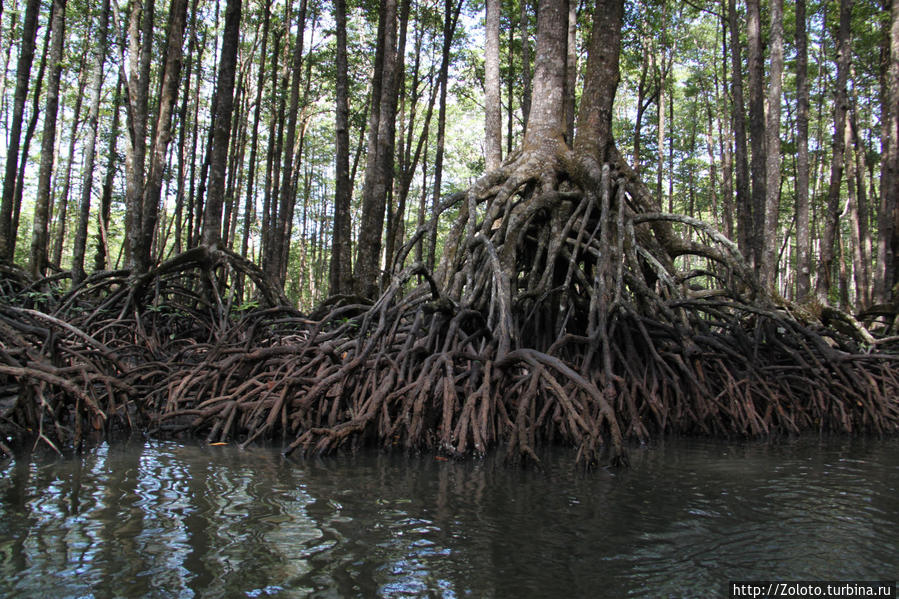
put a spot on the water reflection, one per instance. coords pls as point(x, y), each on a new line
point(168, 520)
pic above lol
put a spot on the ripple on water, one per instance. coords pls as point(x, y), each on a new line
point(169, 520)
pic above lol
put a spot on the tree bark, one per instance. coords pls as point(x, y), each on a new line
point(23, 79)
point(63, 201)
point(102, 241)
point(803, 264)
point(546, 123)
point(840, 107)
point(524, 23)
point(890, 177)
point(757, 126)
point(493, 119)
point(571, 72)
point(224, 99)
point(379, 165)
point(287, 193)
point(341, 249)
point(594, 135)
point(772, 164)
point(80, 245)
point(741, 152)
point(452, 9)
point(40, 230)
point(250, 204)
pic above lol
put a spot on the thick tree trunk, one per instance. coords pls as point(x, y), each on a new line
point(803, 262)
point(341, 249)
point(594, 135)
point(890, 177)
point(571, 72)
point(40, 230)
point(493, 119)
point(757, 126)
point(23, 79)
point(772, 166)
point(840, 108)
point(80, 245)
point(224, 99)
point(546, 123)
point(379, 165)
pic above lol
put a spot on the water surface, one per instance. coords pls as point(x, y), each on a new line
point(160, 519)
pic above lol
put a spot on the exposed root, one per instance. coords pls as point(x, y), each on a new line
point(567, 309)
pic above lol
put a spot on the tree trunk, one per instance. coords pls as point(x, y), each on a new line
point(80, 245)
point(341, 250)
point(287, 193)
point(594, 135)
point(23, 75)
point(102, 242)
point(40, 230)
point(524, 23)
point(452, 9)
point(63, 202)
point(803, 263)
point(772, 165)
point(890, 175)
point(840, 107)
point(493, 119)
point(741, 152)
point(546, 123)
point(168, 94)
point(249, 213)
point(571, 72)
point(757, 126)
point(379, 165)
point(224, 99)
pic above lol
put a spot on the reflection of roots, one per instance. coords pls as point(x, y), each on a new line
point(567, 310)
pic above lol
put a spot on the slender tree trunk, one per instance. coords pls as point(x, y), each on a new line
point(102, 242)
point(803, 263)
point(451, 17)
point(224, 99)
point(63, 201)
point(524, 23)
point(341, 250)
point(80, 245)
point(841, 105)
point(741, 152)
point(168, 94)
point(772, 165)
point(287, 194)
point(493, 119)
point(249, 212)
point(40, 231)
point(860, 214)
point(725, 138)
point(757, 126)
point(23, 75)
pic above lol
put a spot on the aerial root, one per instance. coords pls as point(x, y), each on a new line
point(567, 310)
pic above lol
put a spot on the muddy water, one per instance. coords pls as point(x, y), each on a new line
point(154, 519)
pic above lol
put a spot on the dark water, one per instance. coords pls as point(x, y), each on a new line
point(167, 520)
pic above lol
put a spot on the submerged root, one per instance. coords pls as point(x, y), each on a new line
point(567, 310)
